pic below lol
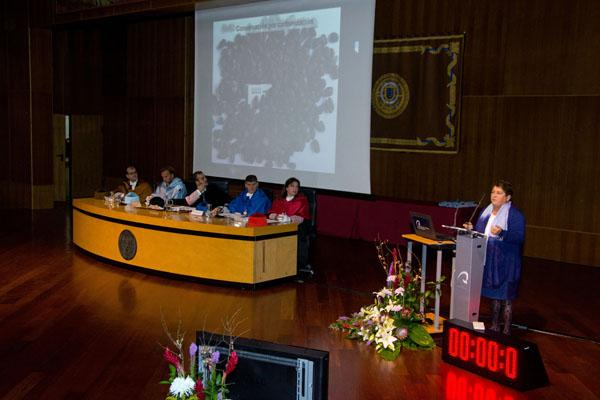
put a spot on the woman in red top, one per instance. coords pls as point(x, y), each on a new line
point(294, 204)
point(291, 202)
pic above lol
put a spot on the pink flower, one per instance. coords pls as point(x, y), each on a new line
point(401, 333)
point(200, 389)
point(231, 363)
point(171, 358)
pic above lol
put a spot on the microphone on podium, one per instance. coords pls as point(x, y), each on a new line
point(475, 210)
point(466, 230)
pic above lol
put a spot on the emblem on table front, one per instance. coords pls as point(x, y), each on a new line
point(127, 245)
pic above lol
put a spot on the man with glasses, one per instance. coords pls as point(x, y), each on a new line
point(251, 200)
point(134, 184)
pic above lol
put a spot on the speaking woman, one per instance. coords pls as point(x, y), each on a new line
point(504, 225)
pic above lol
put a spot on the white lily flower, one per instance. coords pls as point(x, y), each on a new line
point(383, 292)
point(393, 307)
point(386, 340)
point(388, 324)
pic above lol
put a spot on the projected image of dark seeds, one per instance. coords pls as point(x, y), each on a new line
point(265, 95)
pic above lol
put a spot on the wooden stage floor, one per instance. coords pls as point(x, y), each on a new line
point(73, 327)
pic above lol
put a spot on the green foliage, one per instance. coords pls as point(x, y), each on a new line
point(410, 345)
point(419, 335)
point(172, 372)
point(390, 355)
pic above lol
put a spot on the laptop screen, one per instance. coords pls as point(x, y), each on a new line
point(422, 225)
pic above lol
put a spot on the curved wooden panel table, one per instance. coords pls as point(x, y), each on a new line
point(177, 243)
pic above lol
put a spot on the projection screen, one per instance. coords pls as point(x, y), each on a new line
point(282, 88)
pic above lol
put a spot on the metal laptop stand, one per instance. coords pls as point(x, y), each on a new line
point(439, 246)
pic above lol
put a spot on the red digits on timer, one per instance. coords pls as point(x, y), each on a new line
point(483, 352)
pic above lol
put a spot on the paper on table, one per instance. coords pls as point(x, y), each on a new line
point(478, 326)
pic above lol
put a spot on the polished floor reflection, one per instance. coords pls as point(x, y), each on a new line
point(74, 327)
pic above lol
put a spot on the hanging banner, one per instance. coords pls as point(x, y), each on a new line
point(416, 94)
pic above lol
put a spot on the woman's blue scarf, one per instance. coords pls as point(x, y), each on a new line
point(502, 216)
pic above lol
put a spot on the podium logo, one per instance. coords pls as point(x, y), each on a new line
point(463, 278)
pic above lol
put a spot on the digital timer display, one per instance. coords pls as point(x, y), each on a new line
point(495, 356)
point(485, 353)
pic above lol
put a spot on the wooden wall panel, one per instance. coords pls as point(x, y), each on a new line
point(142, 137)
point(4, 78)
point(115, 136)
point(41, 139)
point(25, 79)
point(156, 92)
point(19, 154)
point(114, 61)
point(546, 44)
point(59, 69)
point(170, 58)
point(41, 14)
point(41, 109)
point(78, 79)
point(169, 124)
point(188, 134)
point(142, 58)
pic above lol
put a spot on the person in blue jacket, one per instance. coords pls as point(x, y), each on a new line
point(251, 200)
point(504, 225)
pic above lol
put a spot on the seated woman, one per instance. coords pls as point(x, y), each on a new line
point(294, 204)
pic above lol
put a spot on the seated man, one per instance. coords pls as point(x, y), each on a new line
point(206, 194)
point(251, 200)
point(133, 184)
point(171, 187)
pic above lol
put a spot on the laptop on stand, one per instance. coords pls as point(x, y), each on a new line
point(423, 226)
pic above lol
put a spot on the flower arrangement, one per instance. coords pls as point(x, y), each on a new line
point(394, 320)
point(205, 381)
